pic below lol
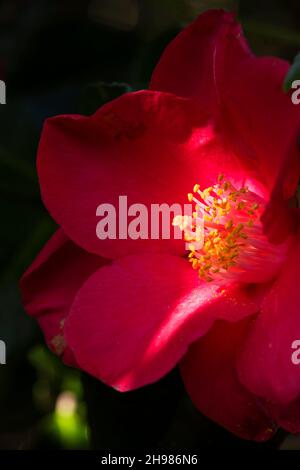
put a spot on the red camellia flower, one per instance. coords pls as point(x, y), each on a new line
point(217, 126)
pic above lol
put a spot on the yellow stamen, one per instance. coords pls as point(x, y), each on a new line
point(225, 235)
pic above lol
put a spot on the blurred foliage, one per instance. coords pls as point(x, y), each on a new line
point(72, 56)
point(58, 395)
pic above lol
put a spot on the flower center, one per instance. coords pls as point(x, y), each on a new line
point(225, 236)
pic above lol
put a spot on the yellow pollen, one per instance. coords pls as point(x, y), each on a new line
point(224, 211)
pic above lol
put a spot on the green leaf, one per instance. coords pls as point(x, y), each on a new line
point(293, 74)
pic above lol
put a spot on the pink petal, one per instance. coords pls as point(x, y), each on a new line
point(265, 364)
point(211, 61)
point(199, 60)
point(209, 374)
point(261, 122)
point(132, 321)
point(282, 217)
point(49, 285)
point(149, 146)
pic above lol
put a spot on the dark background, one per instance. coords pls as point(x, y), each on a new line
point(71, 56)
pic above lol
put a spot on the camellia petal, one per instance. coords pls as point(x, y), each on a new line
point(261, 123)
point(132, 321)
point(266, 365)
point(198, 62)
point(48, 287)
point(211, 61)
point(209, 374)
point(150, 147)
point(282, 217)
